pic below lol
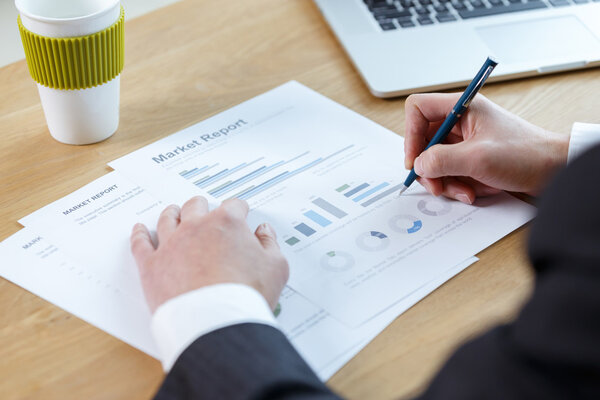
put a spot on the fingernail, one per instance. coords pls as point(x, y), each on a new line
point(418, 167)
point(267, 229)
point(463, 198)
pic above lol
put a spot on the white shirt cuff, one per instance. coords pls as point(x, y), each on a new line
point(583, 137)
point(177, 323)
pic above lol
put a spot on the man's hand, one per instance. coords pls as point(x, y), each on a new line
point(198, 248)
point(488, 150)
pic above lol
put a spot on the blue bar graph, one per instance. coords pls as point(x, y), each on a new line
point(382, 195)
point(196, 171)
point(239, 182)
point(370, 192)
point(265, 185)
point(210, 178)
point(221, 188)
point(243, 192)
point(305, 229)
point(329, 208)
point(318, 218)
point(225, 173)
point(288, 174)
point(356, 190)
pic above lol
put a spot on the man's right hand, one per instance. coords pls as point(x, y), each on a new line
point(488, 150)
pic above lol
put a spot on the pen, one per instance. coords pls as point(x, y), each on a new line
point(457, 112)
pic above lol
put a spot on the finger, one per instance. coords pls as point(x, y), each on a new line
point(235, 208)
point(461, 191)
point(195, 207)
point(454, 137)
point(267, 237)
point(167, 222)
point(446, 160)
point(433, 186)
point(420, 111)
point(141, 244)
point(481, 189)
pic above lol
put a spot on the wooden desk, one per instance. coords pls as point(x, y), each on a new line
point(185, 63)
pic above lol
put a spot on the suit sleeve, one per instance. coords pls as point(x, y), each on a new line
point(552, 350)
point(245, 361)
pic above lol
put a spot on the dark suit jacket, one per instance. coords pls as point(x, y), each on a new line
point(551, 351)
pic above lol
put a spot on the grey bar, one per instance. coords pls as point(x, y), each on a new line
point(356, 189)
point(304, 229)
point(330, 208)
point(382, 195)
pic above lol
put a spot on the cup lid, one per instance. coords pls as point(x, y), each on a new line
point(64, 10)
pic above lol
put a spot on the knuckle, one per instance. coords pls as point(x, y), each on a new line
point(226, 216)
point(414, 99)
point(434, 163)
point(194, 201)
point(169, 211)
point(137, 242)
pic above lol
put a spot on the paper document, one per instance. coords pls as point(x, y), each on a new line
point(61, 254)
point(326, 178)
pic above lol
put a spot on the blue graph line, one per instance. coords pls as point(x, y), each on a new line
point(318, 218)
point(286, 175)
point(210, 178)
point(265, 185)
point(370, 192)
point(246, 178)
point(216, 191)
point(356, 190)
point(196, 171)
point(229, 172)
point(281, 177)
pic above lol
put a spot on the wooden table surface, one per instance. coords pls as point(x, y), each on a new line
point(185, 63)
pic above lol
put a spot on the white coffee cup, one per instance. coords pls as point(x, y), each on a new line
point(75, 116)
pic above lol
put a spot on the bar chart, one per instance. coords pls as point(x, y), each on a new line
point(253, 190)
point(194, 172)
point(322, 215)
point(243, 180)
point(367, 193)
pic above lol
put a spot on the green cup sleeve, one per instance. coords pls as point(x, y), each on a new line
point(75, 62)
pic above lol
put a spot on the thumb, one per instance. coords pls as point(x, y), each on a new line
point(445, 160)
point(267, 237)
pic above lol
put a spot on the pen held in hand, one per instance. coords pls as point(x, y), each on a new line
point(457, 111)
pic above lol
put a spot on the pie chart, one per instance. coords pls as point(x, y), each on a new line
point(373, 241)
point(405, 224)
point(434, 207)
point(337, 261)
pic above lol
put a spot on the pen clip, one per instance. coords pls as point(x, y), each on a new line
point(478, 86)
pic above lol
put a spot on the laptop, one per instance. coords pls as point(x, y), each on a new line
point(406, 46)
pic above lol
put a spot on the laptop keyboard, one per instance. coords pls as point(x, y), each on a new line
point(397, 14)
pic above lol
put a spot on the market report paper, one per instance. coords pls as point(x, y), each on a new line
point(326, 179)
point(78, 258)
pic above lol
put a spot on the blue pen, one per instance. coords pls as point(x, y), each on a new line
point(458, 110)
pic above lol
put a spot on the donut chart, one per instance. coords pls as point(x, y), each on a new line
point(373, 241)
point(405, 224)
point(337, 261)
point(434, 207)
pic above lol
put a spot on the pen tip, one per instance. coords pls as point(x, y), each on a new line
point(402, 190)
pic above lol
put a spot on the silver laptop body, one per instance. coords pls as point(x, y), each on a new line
point(398, 51)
